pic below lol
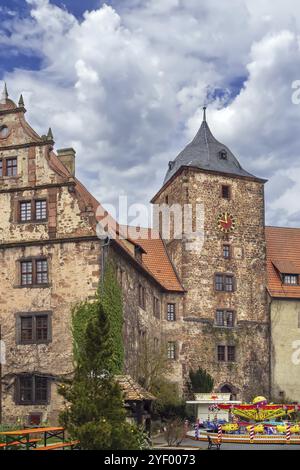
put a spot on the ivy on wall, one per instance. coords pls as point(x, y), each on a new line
point(109, 297)
point(111, 300)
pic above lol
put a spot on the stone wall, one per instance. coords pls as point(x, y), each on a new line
point(197, 335)
point(285, 349)
point(69, 282)
point(142, 324)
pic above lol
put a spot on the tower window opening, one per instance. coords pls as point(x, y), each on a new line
point(225, 191)
point(223, 155)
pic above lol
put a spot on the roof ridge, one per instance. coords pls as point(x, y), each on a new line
point(280, 227)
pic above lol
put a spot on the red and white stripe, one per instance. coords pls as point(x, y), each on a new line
point(251, 434)
point(219, 433)
point(288, 433)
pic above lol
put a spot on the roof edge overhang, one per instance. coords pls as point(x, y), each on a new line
point(38, 143)
point(284, 296)
point(145, 271)
point(12, 111)
point(202, 170)
point(282, 227)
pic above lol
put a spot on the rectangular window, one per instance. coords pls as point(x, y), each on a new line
point(225, 318)
point(41, 210)
point(229, 283)
point(26, 273)
point(171, 353)
point(224, 282)
point(26, 392)
point(32, 390)
point(142, 297)
point(171, 312)
point(226, 251)
point(1, 168)
point(226, 191)
point(33, 211)
point(229, 319)
point(25, 211)
point(11, 167)
point(221, 354)
point(291, 279)
point(41, 389)
point(26, 330)
point(219, 282)
point(226, 353)
point(220, 318)
point(34, 272)
point(156, 307)
point(41, 328)
point(42, 271)
point(230, 353)
point(33, 328)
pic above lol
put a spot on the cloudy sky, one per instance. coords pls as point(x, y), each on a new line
point(124, 82)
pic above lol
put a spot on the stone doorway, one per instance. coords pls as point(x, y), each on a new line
point(227, 388)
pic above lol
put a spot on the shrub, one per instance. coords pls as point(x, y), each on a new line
point(201, 381)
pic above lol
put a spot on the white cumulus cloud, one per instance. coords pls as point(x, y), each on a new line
point(126, 83)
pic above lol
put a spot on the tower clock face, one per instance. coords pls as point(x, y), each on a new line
point(226, 222)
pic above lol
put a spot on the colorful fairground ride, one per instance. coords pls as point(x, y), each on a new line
point(258, 422)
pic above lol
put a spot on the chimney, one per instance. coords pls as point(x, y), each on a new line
point(67, 157)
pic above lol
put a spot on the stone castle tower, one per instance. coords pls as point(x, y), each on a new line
point(224, 328)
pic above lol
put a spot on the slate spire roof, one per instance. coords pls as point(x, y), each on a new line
point(207, 153)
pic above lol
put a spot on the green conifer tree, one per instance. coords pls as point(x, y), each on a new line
point(95, 412)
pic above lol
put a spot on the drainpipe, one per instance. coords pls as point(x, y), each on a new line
point(270, 348)
point(0, 379)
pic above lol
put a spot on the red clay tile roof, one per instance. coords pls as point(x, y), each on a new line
point(283, 254)
point(155, 259)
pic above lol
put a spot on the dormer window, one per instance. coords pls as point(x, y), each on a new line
point(138, 253)
point(171, 165)
point(290, 279)
point(223, 155)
